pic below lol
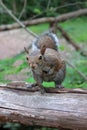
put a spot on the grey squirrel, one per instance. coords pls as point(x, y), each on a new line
point(45, 61)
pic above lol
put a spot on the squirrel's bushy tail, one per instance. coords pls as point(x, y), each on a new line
point(50, 40)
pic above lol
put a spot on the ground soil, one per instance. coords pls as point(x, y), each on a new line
point(13, 42)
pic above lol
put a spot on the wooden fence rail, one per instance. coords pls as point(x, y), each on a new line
point(66, 109)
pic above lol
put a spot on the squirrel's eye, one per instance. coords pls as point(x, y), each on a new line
point(27, 58)
point(40, 57)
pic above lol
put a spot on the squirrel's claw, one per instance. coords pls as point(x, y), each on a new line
point(42, 90)
point(31, 85)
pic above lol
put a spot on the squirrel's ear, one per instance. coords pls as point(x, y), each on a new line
point(43, 48)
point(26, 50)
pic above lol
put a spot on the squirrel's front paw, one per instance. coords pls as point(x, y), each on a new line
point(42, 90)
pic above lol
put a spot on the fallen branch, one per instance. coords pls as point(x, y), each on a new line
point(60, 18)
point(66, 36)
point(70, 41)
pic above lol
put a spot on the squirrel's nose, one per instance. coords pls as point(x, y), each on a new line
point(32, 66)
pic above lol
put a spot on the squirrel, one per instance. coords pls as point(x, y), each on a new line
point(45, 61)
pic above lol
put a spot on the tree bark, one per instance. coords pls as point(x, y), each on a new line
point(60, 18)
point(65, 110)
point(14, 6)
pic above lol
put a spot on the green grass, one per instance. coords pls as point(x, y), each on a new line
point(77, 28)
point(7, 66)
point(73, 79)
point(38, 29)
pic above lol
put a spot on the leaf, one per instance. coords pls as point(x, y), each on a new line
point(37, 11)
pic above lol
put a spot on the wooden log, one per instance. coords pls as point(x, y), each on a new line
point(61, 18)
point(65, 110)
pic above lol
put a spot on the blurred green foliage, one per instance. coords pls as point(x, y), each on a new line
point(40, 8)
point(15, 126)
